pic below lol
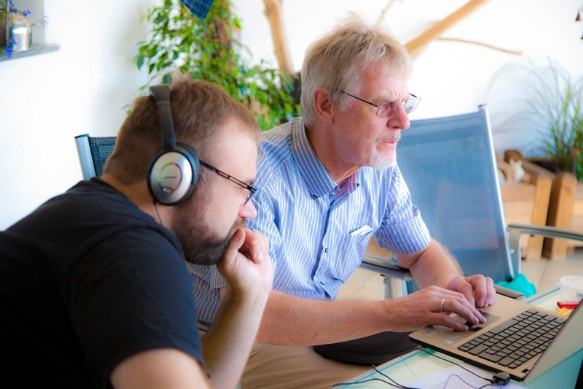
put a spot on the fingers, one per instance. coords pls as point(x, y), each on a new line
point(483, 289)
point(463, 308)
point(457, 303)
point(256, 244)
point(434, 306)
point(461, 285)
point(245, 263)
point(235, 243)
point(478, 289)
point(444, 302)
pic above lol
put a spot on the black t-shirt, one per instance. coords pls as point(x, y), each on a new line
point(86, 281)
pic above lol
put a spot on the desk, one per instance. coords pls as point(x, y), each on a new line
point(413, 367)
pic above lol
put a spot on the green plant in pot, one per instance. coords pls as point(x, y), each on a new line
point(557, 106)
point(208, 49)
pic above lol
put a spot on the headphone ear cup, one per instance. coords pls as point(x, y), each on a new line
point(173, 175)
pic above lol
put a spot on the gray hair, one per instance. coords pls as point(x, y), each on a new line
point(335, 61)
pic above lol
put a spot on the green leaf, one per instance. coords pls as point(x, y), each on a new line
point(140, 61)
point(215, 57)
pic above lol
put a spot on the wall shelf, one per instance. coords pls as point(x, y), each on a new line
point(36, 49)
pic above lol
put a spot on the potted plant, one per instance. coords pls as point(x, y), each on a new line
point(5, 41)
point(557, 107)
point(16, 29)
point(208, 49)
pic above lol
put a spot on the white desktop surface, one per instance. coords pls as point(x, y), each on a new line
point(420, 367)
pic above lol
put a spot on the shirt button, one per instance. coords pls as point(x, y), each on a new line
point(326, 250)
point(314, 197)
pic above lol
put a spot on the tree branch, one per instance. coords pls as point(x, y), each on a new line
point(480, 44)
point(273, 13)
point(436, 29)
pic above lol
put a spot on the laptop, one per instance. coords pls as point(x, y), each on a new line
point(502, 344)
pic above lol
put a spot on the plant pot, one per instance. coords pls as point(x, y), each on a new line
point(22, 36)
point(20, 32)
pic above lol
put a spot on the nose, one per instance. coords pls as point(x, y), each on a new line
point(248, 211)
point(400, 120)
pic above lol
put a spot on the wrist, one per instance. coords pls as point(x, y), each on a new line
point(248, 296)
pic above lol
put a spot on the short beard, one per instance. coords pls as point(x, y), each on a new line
point(200, 246)
point(379, 161)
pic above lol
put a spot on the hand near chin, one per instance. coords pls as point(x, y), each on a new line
point(245, 263)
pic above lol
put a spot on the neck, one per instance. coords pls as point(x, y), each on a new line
point(328, 155)
point(139, 194)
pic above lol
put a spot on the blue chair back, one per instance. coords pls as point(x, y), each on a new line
point(449, 165)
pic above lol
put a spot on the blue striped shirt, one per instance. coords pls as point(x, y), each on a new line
point(317, 230)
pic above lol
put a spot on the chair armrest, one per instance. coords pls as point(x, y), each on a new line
point(515, 231)
point(389, 267)
point(385, 266)
point(508, 292)
point(554, 232)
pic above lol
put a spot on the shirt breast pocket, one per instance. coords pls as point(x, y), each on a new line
point(350, 253)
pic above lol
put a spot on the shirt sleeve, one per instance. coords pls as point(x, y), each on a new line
point(402, 229)
point(267, 222)
point(206, 284)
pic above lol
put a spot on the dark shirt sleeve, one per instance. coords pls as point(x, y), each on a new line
point(130, 294)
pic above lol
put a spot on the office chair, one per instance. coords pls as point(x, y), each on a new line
point(450, 167)
point(93, 152)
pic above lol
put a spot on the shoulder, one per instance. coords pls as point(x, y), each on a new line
point(276, 143)
point(275, 150)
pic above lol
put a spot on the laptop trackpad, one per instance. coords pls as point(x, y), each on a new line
point(490, 319)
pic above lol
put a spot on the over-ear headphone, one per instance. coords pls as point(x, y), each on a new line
point(174, 170)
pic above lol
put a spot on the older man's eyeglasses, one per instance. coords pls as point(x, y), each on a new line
point(242, 184)
point(388, 108)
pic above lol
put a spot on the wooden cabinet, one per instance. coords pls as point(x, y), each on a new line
point(528, 202)
point(564, 209)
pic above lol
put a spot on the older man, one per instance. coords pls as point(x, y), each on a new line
point(329, 182)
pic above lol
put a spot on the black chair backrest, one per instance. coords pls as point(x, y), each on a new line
point(93, 152)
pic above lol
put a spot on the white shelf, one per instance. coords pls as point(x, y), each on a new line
point(36, 49)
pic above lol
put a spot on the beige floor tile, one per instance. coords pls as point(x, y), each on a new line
point(534, 271)
point(557, 269)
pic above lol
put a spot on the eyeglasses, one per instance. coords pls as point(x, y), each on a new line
point(250, 188)
point(388, 108)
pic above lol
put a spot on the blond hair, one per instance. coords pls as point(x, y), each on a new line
point(335, 60)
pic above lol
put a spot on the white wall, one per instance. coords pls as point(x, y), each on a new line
point(46, 100)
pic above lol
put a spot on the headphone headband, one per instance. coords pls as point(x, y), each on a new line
point(161, 94)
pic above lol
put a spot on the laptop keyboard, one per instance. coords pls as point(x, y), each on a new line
point(517, 340)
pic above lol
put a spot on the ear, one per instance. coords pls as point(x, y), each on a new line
point(324, 106)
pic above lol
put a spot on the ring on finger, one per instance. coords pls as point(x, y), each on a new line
point(441, 306)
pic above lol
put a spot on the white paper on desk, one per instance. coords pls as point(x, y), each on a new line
point(451, 378)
